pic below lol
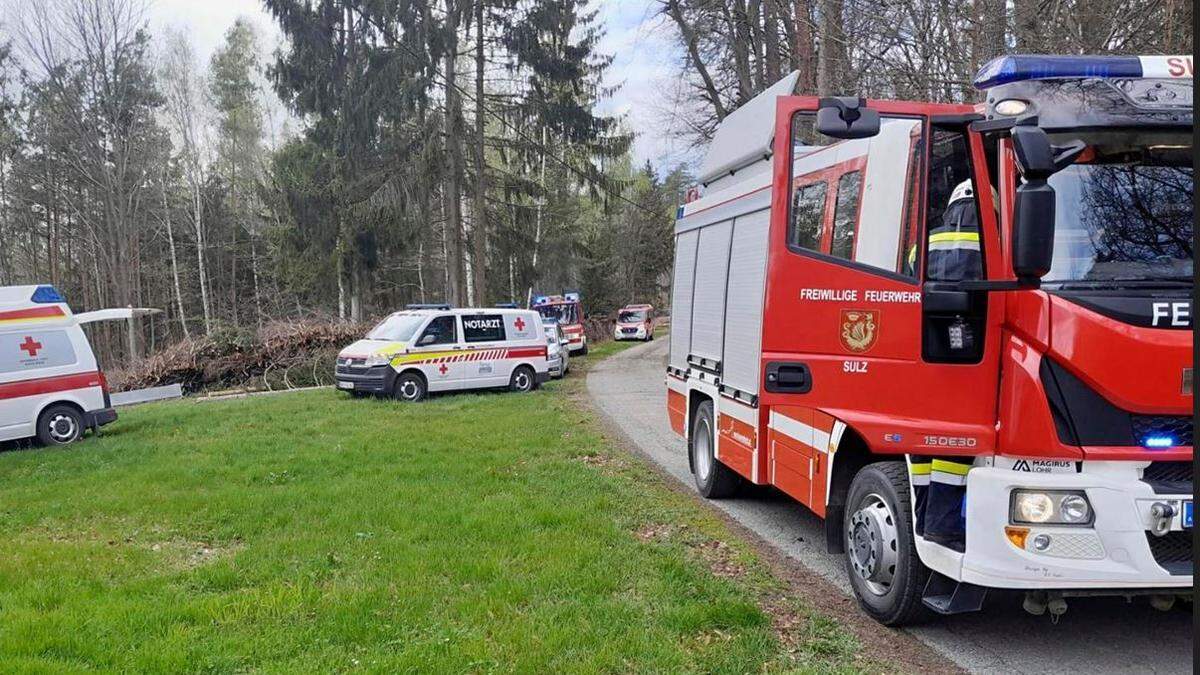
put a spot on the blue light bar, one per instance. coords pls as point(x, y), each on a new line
point(540, 300)
point(1016, 68)
point(47, 294)
point(1159, 442)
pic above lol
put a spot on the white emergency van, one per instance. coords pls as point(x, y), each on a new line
point(414, 352)
point(50, 385)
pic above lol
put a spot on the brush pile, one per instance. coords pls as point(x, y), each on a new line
point(283, 355)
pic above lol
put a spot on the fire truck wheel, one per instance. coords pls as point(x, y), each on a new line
point(583, 350)
point(410, 387)
point(714, 480)
point(881, 556)
point(59, 425)
point(522, 379)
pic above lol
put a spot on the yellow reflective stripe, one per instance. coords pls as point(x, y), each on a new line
point(922, 469)
point(943, 237)
point(409, 358)
point(951, 467)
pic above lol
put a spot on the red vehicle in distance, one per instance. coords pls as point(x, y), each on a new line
point(567, 311)
point(635, 322)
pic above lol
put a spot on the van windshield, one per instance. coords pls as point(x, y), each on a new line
point(397, 328)
point(1124, 211)
point(632, 316)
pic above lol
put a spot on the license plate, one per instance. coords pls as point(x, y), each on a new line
point(1187, 515)
point(345, 385)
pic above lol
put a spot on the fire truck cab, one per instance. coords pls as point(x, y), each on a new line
point(567, 310)
point(820, 342)
point(51, 387)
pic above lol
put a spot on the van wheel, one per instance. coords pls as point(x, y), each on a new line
point(881, 555)
point(410, 387)
point(522, 379)
point(59, 425)
point(714, 480)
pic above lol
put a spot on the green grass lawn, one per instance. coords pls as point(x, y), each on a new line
point(315, 532)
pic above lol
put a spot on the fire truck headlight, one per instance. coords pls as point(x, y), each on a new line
point(1050, 507)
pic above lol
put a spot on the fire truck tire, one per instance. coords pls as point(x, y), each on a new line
point(522, 380)
point(714, 480)
point(881, 557)
point(410, 387)
point(583, 350)
point(59, 424)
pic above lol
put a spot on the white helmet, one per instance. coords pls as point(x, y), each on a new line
point(966, 190)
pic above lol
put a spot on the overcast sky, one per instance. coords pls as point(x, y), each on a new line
point(646, 59)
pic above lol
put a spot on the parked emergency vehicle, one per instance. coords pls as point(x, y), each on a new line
point(818, 348)
point(567, 310)
point(634, 322)
point(414, 352)
point(50, 385)
point(557, 353)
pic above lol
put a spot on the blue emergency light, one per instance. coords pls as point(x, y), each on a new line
point(1016, 68)
point(571, 296)
point(540, 299)
point(47, 294)
point(1159, 442)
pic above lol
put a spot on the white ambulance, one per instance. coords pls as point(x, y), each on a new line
point(414, 352)
point(50, 385)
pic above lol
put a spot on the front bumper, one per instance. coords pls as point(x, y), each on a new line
point(576, 342)
point(94, 419)
point(373, 380)
point(621, 334)
point(1118, 551)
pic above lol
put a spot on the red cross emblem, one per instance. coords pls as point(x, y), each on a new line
point(30, 346)
point(520, 324)
point(442, 369)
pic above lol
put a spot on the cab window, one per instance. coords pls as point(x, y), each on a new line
point(845, 215)
point(441, 331)
point(483, 328)
point(808, 216)
point(954, 251)
point(874, 200)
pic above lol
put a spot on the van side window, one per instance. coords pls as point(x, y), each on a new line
point(442, 330)
point(845, 215)
point(808, 216)
point(483, 328)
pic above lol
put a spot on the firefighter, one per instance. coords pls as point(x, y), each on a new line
point(940, 487)
point(940, 483)
point(954, 252)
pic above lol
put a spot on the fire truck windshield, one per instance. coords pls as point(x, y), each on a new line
point(396, 328)
point(1124, 210)
point(565, 313)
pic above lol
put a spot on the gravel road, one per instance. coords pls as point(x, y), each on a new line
point(1095, 635)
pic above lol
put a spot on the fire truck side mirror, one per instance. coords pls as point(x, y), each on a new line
point(846, 118)
point(1033, 231)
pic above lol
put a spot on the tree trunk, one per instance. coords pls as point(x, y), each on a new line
point(805, 50)
point(831, 60)
point(479, 229)
point(174, 261)
point(453, 189)
point(201, 270)
point(771, 41)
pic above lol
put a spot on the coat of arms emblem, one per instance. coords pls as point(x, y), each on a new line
point(859, 329)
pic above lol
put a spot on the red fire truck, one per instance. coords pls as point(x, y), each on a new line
point(822, 344)
point(567, 311)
